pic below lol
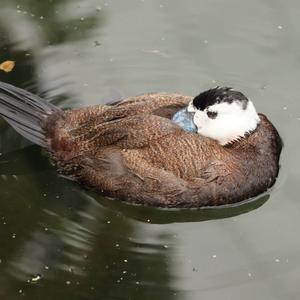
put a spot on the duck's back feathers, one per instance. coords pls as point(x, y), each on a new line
point(129, 123)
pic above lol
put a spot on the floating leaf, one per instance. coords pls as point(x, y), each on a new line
point(7, 66)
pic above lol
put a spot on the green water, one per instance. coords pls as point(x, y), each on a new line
point(59, 241)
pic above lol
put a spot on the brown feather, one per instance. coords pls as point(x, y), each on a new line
point(131, 150)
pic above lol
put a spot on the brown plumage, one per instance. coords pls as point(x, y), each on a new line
point(131, 150)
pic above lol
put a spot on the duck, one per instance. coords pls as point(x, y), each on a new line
point(159, 149)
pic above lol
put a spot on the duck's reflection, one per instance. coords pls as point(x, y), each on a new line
point(165, 216)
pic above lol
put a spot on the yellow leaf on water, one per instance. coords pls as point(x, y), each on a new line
point(7, 66)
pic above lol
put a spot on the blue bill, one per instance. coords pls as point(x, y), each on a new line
point(185, 120)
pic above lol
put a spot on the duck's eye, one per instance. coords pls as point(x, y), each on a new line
point(211, 114)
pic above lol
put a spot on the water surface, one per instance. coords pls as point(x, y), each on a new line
point(59, 241)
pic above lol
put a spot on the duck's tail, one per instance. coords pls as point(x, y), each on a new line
point(26, 113)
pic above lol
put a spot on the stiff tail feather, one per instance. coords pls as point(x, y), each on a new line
point(26, 113)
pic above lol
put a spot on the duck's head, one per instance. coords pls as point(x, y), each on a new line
point(223, 114)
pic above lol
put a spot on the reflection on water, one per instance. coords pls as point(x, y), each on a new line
point(66, 238)
point(165, 216)
point(59, 241)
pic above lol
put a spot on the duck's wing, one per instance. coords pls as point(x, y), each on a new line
point(131, 123)
point(133, 132)
point(160, 104)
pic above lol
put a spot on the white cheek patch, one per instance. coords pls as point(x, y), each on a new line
point(200, 119)
point(231, 123)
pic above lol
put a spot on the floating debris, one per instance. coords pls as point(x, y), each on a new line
point(36, 278)
point(7, 66)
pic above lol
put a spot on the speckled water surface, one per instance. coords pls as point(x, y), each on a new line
point(59, 241)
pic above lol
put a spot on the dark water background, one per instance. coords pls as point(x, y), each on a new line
point(58, 241)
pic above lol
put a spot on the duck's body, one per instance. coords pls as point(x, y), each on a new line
point(133, 151)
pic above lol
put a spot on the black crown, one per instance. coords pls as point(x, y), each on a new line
point(219, 95)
